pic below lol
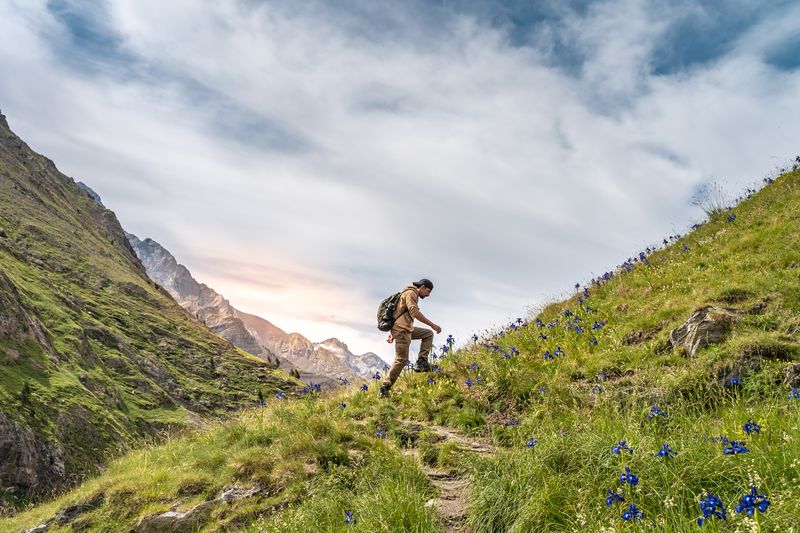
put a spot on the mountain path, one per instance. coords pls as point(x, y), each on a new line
point(452, 501)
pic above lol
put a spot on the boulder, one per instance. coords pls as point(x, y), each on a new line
point(176, 521)
point(232, 494)
point(707, 325)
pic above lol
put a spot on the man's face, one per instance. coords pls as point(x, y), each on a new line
point(424, 292)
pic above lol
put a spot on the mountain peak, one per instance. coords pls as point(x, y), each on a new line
point(3, 121)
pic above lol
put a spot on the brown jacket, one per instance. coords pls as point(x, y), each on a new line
point(408, 301)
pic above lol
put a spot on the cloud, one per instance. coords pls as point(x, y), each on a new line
point(305, 160)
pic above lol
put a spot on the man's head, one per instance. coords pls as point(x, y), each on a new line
point(424, 287)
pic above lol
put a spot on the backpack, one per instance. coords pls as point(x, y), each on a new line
point(386, 312)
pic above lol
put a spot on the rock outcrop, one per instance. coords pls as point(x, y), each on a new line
point(707, 325)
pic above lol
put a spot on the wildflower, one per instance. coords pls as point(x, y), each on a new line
point(598, 325)
point(731, 217)
point(734, 380)
point(542, 337)
point(468, 382)
point(541, 390)
point(579, 329)
point(733, 447)
point(613, 497)
point(558, 351)
point(520, 321)
point(685, 247)
point(381, 433)
point(280, 396)
point(632, 514)
point(344, 381)
point(513, 422)
point(601, 377)
point(567, 313)
point(711, 506)
point(548, 355)
point(385, 368)
point(577, 286)
point(532, 442)
point(622, 446)
point(580, 300)
point(666, 452)
point(586, 293)
point(752, 501)
point(349, 519)
point(629, 478)
point(431, 381)
point(475, 367)
point(655, 412)
point(593, 341)
point(751, 427)
point(794, 394)
point(474, 338)
point(342, 405)
point(598, 389)
point(364, 387)
point(377, 376)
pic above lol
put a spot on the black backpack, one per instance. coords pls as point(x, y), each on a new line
point(386, 312)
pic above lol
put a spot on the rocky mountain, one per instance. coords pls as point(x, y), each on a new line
point(323, 362)
point(94, 356)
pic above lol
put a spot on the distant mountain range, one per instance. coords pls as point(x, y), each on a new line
point(318, 362)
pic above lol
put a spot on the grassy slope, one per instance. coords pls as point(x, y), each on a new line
point(320, 460)
point(123, 360)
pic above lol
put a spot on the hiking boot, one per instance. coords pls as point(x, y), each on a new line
point(384, 391)
point(422, 366)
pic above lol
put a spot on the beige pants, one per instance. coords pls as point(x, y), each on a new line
point(402, 343)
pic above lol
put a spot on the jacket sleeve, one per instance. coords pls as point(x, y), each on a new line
point(411, 299)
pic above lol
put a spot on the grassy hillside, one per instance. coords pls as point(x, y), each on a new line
point(93, 356)
point(556, 393)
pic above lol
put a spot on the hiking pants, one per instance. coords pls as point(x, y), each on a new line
point(402, 343)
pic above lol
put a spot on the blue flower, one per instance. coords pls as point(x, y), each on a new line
point(474, 338)
point(632, 513)
point(542, 337)
point(364, 387)
point(431, 381)
point(344, 381)
point(593, 341)
point(751, 427)
point(613, 498)
point(548, 355)
point(685, 248)
point(558, 351)
point(598, 325)
point(794, 394)
point(567, 313)
point(342, 405)
point(473, 366)
point(541, 390)
point(734, 380)
point(532, 442)
point(733, 447)
point(655, 412)
point(601, 377)
point(598, 389)
point(385, 368)
point(586, 293)
point(468, 382)
point(628, 477)
point(711, 506)
point(666, 452)
point(377, 376)
point(381, 433)
point(731, 217)
point(512, 422)
point(752, 501)
point(280, 396)
point(349, 519)
point(622, 446)
point(577, 286)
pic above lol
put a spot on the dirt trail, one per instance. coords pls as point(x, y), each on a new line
point(451, 503)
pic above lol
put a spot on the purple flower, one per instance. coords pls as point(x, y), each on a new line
point(532, 442)
point(364, 387)
point(711, 506)
point(751, 427)
point(666, 452)
point(752, 501)
point(349, 519)
point(622, 446)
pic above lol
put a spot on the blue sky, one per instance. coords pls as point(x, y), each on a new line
point(307, 158)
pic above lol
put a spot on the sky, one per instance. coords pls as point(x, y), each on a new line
point(308, 158)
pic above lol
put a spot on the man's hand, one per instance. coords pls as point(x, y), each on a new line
point(390, 339)
point(436, 328)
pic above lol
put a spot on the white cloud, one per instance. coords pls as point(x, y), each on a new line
point(340, 165)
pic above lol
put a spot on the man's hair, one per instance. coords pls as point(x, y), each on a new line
point(424, 282)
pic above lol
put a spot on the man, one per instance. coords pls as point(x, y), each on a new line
point(403, 332)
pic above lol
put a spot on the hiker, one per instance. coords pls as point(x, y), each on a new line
point(403, 332)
